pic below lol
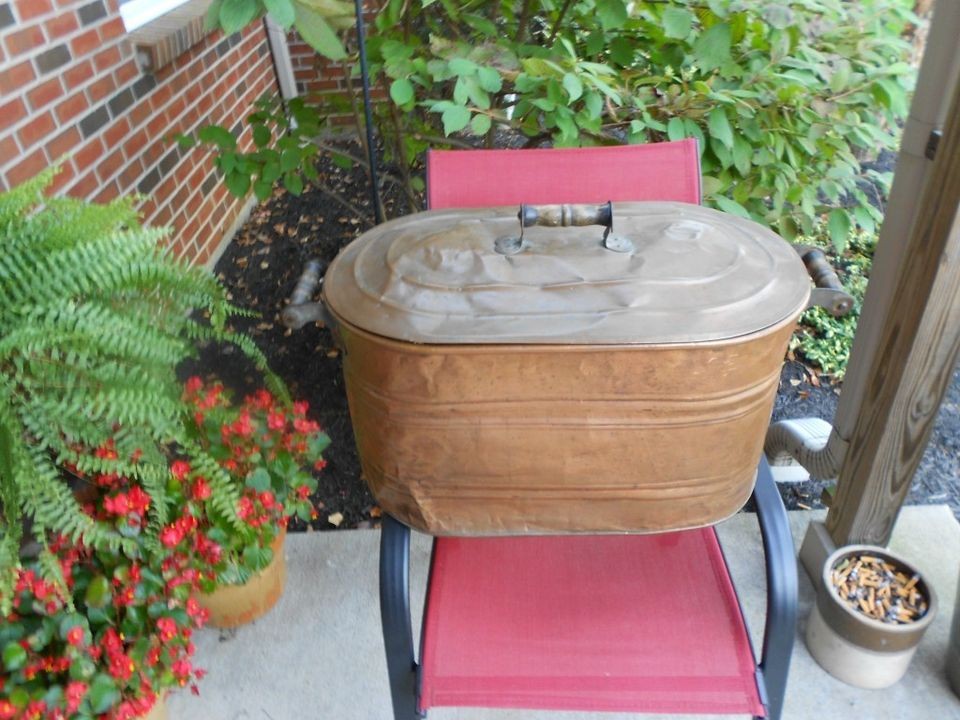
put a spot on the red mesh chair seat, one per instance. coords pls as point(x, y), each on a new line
point(642, 623)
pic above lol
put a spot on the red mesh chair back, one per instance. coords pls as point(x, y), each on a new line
point(618, 623)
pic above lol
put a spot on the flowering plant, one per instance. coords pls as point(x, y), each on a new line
point(267, 450)
point(115, 632)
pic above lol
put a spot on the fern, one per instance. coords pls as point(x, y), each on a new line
point(95, 315)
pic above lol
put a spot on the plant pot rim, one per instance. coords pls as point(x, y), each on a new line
point(896, 636)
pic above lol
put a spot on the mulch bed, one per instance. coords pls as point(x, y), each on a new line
point(262, 264)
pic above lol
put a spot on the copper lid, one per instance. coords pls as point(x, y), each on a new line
point(666, 273)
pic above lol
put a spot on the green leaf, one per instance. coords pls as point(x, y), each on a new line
point(778, 16)
point(282, 12)
point(261, 135)
point(862, 215)
point(480, 124)
point(675, 129)
point(98, 592)
point(712, 48)
point(185, 141)
point(102, 694)
point(219, 136)
point(573, 86)
point(293, 183)
point(314, 28)
point(742, 154)
point(212, 19)
point(594, 104)
point(838, 225)
point(262, 189)
point(401, 91)
point(455, 118)
point(489, 79)
point(731, 206)
point(677, 22)
point(461, 66)
point(14, 656)
point(238, 183)
point(719, 126)
point(236, 14)
point(259, 480)
point(612, 14)
point(622, 50)
point(289, 160)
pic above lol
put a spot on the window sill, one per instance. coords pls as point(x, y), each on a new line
point(162, 40)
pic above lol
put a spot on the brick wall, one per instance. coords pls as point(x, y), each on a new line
point(70, 83)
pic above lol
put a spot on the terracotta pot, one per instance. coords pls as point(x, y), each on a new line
point(158, 711)
point(857, 649)
point(235, 605)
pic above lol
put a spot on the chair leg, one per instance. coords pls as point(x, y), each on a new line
point(781, 562)
point(395, 617)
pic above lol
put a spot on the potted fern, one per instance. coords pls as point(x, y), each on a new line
point(95, 316)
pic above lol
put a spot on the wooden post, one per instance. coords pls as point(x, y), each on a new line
point(916, 352)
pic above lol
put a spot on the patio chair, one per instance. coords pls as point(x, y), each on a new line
point(626, 623)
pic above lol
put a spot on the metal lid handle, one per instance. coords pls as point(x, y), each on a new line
point(565, 216)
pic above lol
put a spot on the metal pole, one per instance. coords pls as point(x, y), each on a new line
point(368, 115)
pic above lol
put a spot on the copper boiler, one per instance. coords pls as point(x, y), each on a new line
point(546, 376)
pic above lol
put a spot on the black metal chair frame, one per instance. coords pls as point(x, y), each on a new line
point(779, 628)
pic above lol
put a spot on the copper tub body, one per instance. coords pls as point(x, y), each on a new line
point(550, 378)
point(481, 439)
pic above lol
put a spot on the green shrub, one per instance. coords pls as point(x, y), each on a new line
point(94, 317)
point(783, 98)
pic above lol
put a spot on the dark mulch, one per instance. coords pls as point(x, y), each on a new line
point(261, 266)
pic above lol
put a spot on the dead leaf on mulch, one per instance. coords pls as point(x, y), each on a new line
point(335, 519)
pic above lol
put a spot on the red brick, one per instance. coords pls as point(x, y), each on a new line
point(101, 89)
point(38, 127)
point(130, 174)
point(109, 166)
point(62, 179)
point(63, 143)
point(78, 74)
point(127, 72)
point(8, 149)
point(107, 193)
point(28, 9)
point(160, 96)
point(112, 28)
point(163, 217)
point(16, 77)
point(61, 24)
point(71, 107)
point(156, 126)
point(12, 112)
point(21, 41)
point(27, 168)
point(89, 154)
point(45, 93)
point(115, 133)
point(86, 186)
point(134, 144)
point(106, 59)
point(140, 112)
point(85, 43)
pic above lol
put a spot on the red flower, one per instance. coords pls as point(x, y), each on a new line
point(320, 464)
point(201, 489)
point(167, 628)
point(171, 536)
point(117, 505)
point(193, 384)
point(7, 710)
point(266, 499)
point(300, 407)
point(75, 636)
point(276, 421)
point(302, 425)
point(74, 693)
point(303, 492)
point(245, 508)
point(180, 469)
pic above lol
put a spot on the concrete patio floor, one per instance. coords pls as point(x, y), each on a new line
point(318, 655)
